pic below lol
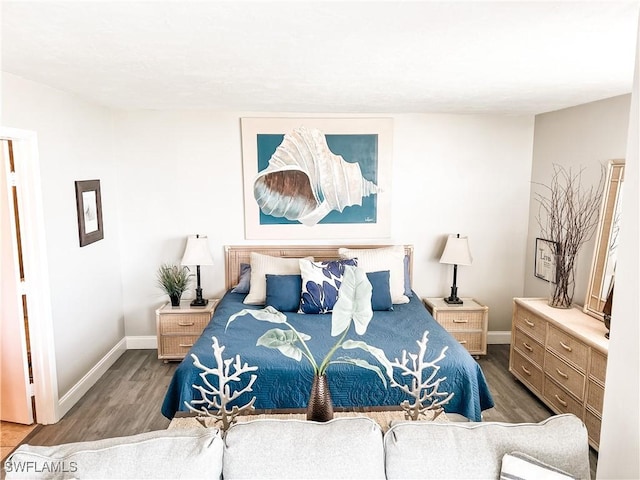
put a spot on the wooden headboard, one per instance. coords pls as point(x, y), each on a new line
point(234, 255)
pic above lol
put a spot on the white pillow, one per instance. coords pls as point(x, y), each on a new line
point(518, 465)
point(379, 259)
point(263, 264)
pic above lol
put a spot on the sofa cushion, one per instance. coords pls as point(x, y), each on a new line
point(190, 453)
point(340, 448)
point(475, 450)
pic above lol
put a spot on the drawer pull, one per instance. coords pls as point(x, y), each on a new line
point(531, 324)
point(562, 402)
point(566, 347)
point(525, 370)
point(185, 345)
point(562, 374)
point(527, 346)
point(462, 342)
point(189, 324)
point(457, 320)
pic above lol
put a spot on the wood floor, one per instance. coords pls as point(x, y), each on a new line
point(127, 400)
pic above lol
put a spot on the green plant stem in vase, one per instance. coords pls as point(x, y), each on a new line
point(173, 280)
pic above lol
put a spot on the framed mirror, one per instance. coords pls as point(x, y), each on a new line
point(601, 281)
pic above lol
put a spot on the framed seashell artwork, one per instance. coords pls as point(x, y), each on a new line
point(317, 178)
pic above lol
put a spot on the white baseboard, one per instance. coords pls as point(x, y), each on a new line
point(499, 338)
point(142, 342)
point(76, 392)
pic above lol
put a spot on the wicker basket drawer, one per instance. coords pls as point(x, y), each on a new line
point(183, 324)
point(472, 341)
point(595, 395)
point(561, 400)
point(526, 371)
point(598, 365)
point(568, 347)
point(461, 320)
point(530, 323)
point(593, 424)
point(529, 347)
point(564, 374)
point(176, 346)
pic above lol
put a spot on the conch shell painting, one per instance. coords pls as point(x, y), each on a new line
point(305, 181)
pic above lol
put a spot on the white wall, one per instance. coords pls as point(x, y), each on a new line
point(181, 173)
point(75, 142)
point(620, 436)
point(584, 136)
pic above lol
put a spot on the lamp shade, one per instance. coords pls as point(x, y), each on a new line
point(197, 251)
point(456, 251)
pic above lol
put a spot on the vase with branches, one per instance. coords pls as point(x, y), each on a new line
point(567, 216)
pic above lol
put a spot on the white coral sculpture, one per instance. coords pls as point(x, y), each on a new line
point(214, 400)
point(424, 386)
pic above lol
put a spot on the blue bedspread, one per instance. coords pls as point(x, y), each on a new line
point(285, 383)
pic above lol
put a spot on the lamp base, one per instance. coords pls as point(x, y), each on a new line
point(199, 302)
point(453, 301)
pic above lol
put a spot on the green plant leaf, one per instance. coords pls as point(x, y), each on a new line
point(354, 302)
point(358, 362)
point(377, 353)
point(283, 340)
point(267, 314)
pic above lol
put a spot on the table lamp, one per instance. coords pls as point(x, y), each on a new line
point(197, 253)
point(456, 252)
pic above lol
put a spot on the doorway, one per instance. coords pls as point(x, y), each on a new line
point(27, 360)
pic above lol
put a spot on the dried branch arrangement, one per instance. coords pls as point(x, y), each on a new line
point(567, 215)
point(215, 400)
point(424, 385)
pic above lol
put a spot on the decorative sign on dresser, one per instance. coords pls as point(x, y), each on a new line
point(179, 327)
point(561, 356)
point(467, 322)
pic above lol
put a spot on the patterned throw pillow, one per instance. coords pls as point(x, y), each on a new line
point(320, 284)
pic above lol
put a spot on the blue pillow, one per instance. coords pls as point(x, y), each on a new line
point(245, 279)
point(283, 292)
point(380, 295)
point(320, 284)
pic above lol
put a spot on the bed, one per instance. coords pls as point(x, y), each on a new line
point(284, 383)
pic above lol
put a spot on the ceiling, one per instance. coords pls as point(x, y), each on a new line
point(325, 56)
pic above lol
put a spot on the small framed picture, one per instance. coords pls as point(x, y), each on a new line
point(544, 259)
point(89, 207)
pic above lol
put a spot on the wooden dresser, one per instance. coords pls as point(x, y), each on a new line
point(179, 327)
point(561, 356)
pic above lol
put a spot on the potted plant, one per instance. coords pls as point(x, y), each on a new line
point(173, 280)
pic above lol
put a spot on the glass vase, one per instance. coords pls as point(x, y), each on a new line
point(562, 285)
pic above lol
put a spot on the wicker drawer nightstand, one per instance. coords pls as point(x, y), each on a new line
point(467, 323)
point(179, 327)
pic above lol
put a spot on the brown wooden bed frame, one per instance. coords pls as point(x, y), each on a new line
point(236, 254)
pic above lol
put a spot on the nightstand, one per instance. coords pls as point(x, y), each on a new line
point(467, 323)
point(179, 327)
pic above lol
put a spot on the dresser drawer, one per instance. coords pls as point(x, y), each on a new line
point(529, 347)
point(526, 371)
point(595, 395)
point(593, 424)
point(561, 400)
point(530, 323)
point(565, 375)
point(176, 346)
point(183, 324)
point(598, 365)
point(472, 341)
point(461, 320)
point(568, 347)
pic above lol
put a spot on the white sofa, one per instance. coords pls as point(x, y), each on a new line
point(342, 448)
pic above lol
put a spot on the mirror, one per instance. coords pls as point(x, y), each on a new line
point(604, 258)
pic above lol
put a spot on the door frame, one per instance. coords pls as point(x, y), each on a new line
point(34, 253)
